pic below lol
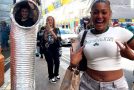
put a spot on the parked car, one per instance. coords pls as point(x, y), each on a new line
point(66, 36)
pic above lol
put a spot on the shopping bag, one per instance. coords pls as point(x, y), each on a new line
point(71, 80)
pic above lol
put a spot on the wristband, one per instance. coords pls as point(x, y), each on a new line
point(74, 69)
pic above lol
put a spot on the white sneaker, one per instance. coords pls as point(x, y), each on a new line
point(57, 77)
point(52, 80)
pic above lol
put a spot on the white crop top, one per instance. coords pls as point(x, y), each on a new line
point(101, 50)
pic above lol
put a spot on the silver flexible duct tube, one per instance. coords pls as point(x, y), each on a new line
point(23, 45)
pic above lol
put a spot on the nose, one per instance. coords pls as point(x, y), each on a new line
point(99, 15)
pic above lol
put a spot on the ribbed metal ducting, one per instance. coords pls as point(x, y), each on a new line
point(23, 44)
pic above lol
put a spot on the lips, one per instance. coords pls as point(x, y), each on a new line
point(99, 22)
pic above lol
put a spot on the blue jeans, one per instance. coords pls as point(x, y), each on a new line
point(88, 83)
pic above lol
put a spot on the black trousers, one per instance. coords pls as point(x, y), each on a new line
point(41, 50)
point(53, 60)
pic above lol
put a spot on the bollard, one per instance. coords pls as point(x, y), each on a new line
point(23, 46)
point(1, 69)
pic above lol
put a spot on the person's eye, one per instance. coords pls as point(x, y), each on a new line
point(104, 13)
point(95, 12)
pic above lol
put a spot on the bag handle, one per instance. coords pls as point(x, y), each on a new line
point(83, 38)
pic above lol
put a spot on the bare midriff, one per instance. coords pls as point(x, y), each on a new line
point(105, 76)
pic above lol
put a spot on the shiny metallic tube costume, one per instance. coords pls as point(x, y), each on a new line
point(23, 45)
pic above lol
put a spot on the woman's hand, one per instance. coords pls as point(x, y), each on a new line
point(50, 30)
point(126, 51)
point(48, 27)
point(76, 56)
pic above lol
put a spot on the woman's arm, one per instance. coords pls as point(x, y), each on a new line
point(127, 49)
point(51, 30)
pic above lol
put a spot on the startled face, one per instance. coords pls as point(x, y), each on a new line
point(24, 13)
point(100, 15)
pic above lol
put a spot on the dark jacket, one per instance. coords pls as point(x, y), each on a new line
point(56, 43)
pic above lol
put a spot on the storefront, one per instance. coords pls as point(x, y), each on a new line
point(70, 12)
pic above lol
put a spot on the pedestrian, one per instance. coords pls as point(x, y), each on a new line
point(116, 24)
point(104, 47)
point(86, 24)
point(23, 16)
point(51, 42)
point(39, 41)
point(4, 30)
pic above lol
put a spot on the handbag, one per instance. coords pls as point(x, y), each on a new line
point(71, 80)
point(82, 66)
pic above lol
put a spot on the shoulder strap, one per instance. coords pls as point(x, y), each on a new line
point(83, 38)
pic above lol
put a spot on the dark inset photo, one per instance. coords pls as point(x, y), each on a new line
point(26, 13)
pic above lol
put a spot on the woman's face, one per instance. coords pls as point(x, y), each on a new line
point(101, 15)
point(50, 21)
point(24, 13)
